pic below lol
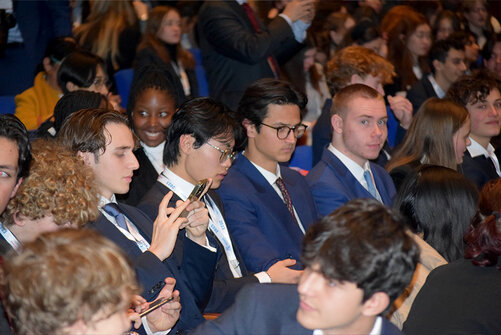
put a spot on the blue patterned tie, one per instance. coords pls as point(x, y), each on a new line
point(113, 210)
point(370, 184)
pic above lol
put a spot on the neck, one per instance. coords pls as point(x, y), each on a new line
point(254, 157)
point(52, 81)
point(483, 141)
point(362, 325)
point(341, 148)
point(179, 170)
point(442, 82)
point(19, 233)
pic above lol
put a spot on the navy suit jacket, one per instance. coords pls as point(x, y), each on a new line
point(262, 226)
point(193, 276)
point(421, 91)
point(225, 285)
point(332, 184)
point(234, 60)
point(266, 309)
point(478, 170)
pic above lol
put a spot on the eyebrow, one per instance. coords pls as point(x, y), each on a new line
point(8, 167)
point(124, 147)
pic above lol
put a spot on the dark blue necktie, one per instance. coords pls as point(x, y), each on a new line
point(113, 210)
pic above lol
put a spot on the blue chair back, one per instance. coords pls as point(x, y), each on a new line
point(302, 158)
point(203, 85)
point(123, 79)
point(7, 104)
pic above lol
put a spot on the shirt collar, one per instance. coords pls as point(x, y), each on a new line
point(241, 2)
point(376, 329)
point(158, 150)
point(183, 187)
point(269, 176)
point(103, 201)
point(475, 149)
point(351, 165)
point(438, 90)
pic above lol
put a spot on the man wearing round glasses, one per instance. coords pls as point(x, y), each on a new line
point(268, 206)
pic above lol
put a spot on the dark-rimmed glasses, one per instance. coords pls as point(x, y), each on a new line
point(284, 131)
point(225, 154)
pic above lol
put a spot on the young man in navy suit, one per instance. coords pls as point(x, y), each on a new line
point(357, 260)
point(358, 119)
point(480, 94)
point(105, 142)
point(268, 206)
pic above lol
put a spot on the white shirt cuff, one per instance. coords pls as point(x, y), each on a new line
point(148, 330)
point(263, 277)
point(298, 28)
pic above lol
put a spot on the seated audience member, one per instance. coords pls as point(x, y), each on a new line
point(446, 23)
point(68, 104)
point(471, 48)
point(59, 192)
point(480, 94)
point(199, 145)
point(103, 139)
point(252, 51)
point(491, 55)
point(478, 20)
point(358, 119)
point(268, 207)
point(464, 296)
point(150, 107)
point(358, 65)
point(358, 260)
point(77, 282)
point(447, 59)
point(36, 104)
point(438, 204)
point(438, 135)
point(366, 34)
point(161, 46)
point(15, 158)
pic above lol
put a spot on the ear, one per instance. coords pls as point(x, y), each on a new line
point(186, 143)
point(19, 219)
point(356, 79)
point(337, 123)
point(47, 66)
point(376, 304)
point(438, 65)
point(71, 87)
point(87, 157)
point(250, 128)
point(79, 327)
point(14, 190)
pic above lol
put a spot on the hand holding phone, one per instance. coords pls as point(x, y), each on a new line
point(198, 192)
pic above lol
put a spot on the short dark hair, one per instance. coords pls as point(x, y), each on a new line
point(84, 130)
point(149, 77)
point(203, 118)
point(13, 129)
point(440, 203)
point(74, 101)
point(365, 243)
point(254, 103)
point(469, 89)
point(489, 46)
point(80, 68)
point(440, 50)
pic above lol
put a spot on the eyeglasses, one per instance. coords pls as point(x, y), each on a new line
point(225, 154)
point(284, 131)
point(100, 81)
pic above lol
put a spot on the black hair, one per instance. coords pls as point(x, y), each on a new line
point(364, 31)
point(440, 50)
point(489, 46)
point(254, 103)
point(57, 49)
point(440, 203)
point(80, 68)
point(469, 89)
point(365, 243)
point(149, 77)
point(203, 118)
point(13, 129)
point(74, 101)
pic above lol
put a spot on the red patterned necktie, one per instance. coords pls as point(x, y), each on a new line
point(287, 198)
point(252, 17)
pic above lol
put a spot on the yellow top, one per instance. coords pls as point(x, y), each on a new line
point(36, 104)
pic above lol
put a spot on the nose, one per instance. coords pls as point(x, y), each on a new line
point(227, 163)
point(153, 120)
point(463, 66)
point(133, 163)
point(377, 131)
point(494, 111)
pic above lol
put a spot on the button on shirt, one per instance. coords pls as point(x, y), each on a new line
point(475, 150)
point(272, 178)
point(356, 170)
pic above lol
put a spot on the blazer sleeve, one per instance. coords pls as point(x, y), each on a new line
point(243, 44)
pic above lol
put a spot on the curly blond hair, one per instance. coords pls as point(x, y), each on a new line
point(59, 185)
point(360, 61)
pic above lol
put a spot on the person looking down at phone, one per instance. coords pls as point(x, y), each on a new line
point(200, 144)
point(104, 141)
point(269, 206)
point(78, 282)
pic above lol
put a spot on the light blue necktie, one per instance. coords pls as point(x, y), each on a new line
point(113, 210)
point(370, 184)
